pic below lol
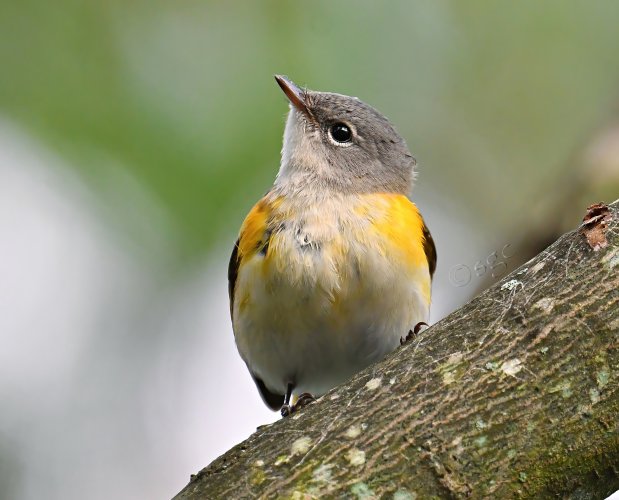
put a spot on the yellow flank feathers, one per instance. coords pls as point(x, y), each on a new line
point(253, 229)
point(399, 221)
point(398, 224)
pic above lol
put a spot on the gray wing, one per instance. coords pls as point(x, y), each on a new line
point(429, 248)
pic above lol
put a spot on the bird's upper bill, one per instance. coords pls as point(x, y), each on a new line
point(295, 95)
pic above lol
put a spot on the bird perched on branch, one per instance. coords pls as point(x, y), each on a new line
point(333, 266)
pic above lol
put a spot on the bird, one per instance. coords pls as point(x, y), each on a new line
point(333, 266)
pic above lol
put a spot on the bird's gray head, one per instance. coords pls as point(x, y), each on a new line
point(338, 142)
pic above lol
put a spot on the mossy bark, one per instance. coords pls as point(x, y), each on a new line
point(515, 395)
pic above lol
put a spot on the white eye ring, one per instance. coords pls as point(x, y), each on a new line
point(340, 134)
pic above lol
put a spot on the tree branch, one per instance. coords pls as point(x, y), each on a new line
point(513, 395)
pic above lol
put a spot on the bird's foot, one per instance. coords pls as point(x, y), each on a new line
point(413, 332)
point(302, 401)
point(286, 410)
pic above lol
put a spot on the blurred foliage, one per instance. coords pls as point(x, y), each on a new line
point(491, 96)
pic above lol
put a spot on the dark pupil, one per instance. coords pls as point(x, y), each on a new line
point(340, 132)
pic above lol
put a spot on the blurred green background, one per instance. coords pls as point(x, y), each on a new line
point(134, 137)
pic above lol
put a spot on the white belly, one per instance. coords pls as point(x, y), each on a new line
point(329, 300)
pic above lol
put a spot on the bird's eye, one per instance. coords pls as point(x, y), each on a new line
point(340, 132)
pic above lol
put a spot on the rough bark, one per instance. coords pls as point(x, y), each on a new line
point(514, 395)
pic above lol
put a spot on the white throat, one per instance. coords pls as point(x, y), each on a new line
point(301, 157)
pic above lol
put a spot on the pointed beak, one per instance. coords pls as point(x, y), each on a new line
point(294, 94)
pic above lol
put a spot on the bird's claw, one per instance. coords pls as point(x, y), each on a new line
point(413, 332)
point(286, 410)
point(302, 401)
